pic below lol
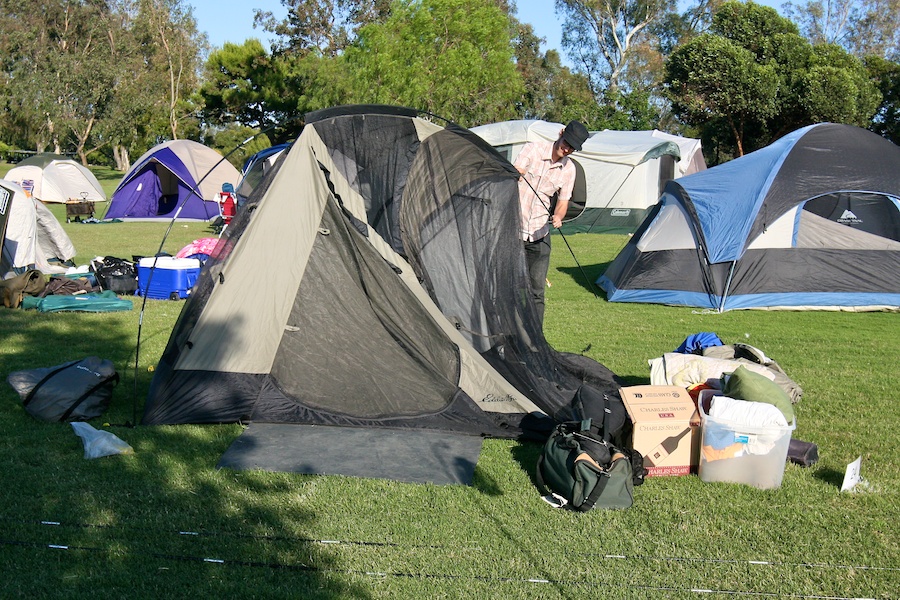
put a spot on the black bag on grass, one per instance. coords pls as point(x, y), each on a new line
point(74, 391)
point(579, 469)
point(115, 274)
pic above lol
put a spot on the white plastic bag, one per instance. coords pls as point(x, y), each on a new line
point(99, 443)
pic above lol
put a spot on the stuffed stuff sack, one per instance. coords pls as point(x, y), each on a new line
point(74, 391)
point(579, 469)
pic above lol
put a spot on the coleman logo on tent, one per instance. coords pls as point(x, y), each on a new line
point(848, 218)
point(620, 212)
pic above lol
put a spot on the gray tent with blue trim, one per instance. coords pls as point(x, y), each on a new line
point(811, 221)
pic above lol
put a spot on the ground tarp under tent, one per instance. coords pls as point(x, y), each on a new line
point(180, 174)
point(34, 237)
point(620, 173)
point(811, 221)
point(55, 178)
point(397, 301)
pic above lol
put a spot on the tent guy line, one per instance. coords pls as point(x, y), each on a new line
point(291, 538)
point(498, 579)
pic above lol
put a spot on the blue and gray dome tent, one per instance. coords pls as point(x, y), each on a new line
point(811, 221)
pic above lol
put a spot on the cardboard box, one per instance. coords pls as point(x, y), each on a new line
point(666, 428)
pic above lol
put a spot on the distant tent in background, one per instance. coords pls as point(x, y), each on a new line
point(55, 178)
point(811, 221)
point(256, 167)
point(620, 173)
point(176, 173)
point(34, 238)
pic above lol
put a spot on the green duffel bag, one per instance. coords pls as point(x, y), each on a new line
point(580, 470)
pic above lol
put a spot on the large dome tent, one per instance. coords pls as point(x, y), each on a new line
point(396, 302)
point(811, 221)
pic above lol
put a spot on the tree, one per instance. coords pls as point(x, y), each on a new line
point(167, 33)
point(453, 58)
point(862, 27)
point(712, 78)
point(320, 27)
point(243, 83)
point(887, 75)
point(754, 76)
point(601, 36)
point(60, 71)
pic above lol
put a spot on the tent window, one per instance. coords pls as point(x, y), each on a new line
point(579, 193)
point(863, 211)
point(666, 171)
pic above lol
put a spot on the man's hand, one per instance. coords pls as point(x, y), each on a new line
point(557, 221)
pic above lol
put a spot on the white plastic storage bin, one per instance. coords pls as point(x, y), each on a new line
point(738, 453)
point(172, 278)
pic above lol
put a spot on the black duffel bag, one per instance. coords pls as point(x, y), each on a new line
point(74, 391)
point(115, 274)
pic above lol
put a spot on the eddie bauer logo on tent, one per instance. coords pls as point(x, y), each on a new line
point(848, 218)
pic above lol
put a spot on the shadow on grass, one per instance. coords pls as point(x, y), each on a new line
point(830, 476)
point(526, 454)
point(586, 276)
point(165, 511)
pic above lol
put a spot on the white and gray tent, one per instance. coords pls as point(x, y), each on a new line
point(620, 173)
point(373, 280)
point(811, 221)
point(54, 178)
point(34, 237)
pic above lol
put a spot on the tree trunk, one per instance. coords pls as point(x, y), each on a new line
point(120, 154)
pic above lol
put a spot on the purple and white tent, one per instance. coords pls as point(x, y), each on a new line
point(179, 173)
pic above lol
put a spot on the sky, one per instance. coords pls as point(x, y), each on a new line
point(232, 20)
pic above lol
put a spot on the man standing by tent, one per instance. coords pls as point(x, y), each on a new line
point(546, 173)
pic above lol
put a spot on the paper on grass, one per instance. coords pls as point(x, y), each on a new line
point(851, 475)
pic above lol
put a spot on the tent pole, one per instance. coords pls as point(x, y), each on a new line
point(583, 274)
point(162, 243)
point(550, 213)
point(727, 286)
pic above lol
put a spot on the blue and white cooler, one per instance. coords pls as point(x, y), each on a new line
point(168, 277)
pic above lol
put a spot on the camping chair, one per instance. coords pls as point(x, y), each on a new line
point(227, 204)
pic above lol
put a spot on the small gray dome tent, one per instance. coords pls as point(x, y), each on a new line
point(811, 221)
point(34, 238)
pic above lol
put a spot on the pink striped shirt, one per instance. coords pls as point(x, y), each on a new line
point(547, 178)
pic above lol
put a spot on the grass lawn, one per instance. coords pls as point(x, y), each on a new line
point(164, 522)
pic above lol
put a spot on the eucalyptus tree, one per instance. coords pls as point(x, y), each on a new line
point(755, 77)
point(453, 58)
point(59, 70)
point(602, 36)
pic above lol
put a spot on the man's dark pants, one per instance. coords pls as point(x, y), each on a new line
point(537, 256)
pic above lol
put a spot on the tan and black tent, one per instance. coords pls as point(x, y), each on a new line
point(375, 280)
